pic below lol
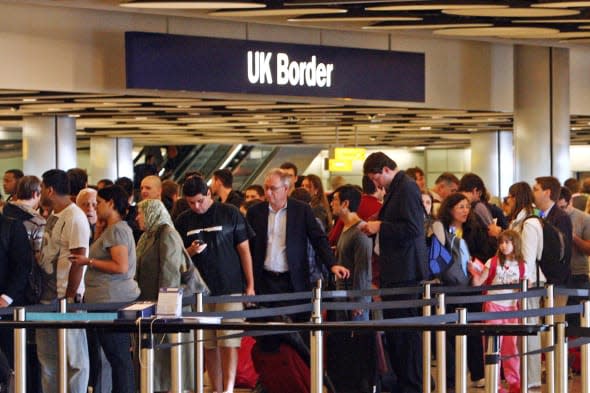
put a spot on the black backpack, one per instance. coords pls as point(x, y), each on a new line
point(35, 279)
point(553, 263)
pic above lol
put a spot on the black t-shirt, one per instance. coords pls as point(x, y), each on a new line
point(222, 227)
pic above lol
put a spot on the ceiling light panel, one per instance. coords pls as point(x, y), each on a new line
point(291, 11)
point(528, 32)
point(511, 12)
point(192, 4)
point(425, 26)
point(430, 7)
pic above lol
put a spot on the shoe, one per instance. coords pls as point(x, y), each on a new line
point(480, 383)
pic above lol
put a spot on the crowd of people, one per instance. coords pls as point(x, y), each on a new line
point(97, 244)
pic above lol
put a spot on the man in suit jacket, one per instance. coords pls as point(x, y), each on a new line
point(283, 227)
point(402, 259)
point(546, 192)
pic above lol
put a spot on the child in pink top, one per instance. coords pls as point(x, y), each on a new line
point(506, 267)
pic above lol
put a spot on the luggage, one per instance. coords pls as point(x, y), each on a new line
point(246, 375)
point(282, 370)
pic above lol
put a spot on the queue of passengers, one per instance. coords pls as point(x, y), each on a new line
point(95, 245)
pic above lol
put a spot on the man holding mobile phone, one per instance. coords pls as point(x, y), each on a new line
point(216, 236)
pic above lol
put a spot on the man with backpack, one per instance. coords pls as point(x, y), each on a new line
point(16, 259)
point(546, 192)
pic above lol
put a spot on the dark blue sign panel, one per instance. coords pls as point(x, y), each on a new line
point(176, 62)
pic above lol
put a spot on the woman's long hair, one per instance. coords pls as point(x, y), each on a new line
point(445, 211)
point(523, 198)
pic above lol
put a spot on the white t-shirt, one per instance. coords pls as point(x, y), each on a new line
point(65, 231)
point(507, 274)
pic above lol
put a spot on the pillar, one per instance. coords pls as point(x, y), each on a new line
point(541, 112)
point(110, 158)
point(48, 143)
point(492, 158)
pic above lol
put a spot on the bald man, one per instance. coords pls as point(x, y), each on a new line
point(151, 187)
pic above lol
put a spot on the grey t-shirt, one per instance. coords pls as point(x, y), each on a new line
point(104, 287)
point(581, 225)
point(354, 251)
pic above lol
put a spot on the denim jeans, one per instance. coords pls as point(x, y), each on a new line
point(116, 347)
point(77, 360)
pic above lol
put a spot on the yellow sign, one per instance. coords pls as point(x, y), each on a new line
point(339, 165)
point(349, 153)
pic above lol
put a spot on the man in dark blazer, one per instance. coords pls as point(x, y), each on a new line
point(402, 260)
point(283, 227)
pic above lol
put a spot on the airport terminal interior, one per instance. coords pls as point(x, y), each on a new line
point(497, 88)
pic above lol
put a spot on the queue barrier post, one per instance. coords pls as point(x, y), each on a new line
point(426, 342)
point(20, 353)
point(585, 349)
point(561, 365)
point(199, 349)
point(175, 363)
point(523, 347)
point(549, 341)
point(441, 354)
point(461, 355)
point(492, 364)
point(316, 343)
point(62, 383)
point(147, 363)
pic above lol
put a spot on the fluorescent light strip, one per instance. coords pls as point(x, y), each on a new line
point(192, 4)
point(278, 12)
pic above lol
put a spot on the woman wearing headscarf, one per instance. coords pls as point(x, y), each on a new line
point(160, 254)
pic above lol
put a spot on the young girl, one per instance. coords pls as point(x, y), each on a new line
point(506, 267)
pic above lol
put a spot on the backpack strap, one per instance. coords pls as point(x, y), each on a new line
point(493, 268)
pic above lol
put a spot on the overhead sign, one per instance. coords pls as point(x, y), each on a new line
point(350, 153)
point(176, 62)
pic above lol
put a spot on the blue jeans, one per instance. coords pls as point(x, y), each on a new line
point(116, 347)
point(77, 359)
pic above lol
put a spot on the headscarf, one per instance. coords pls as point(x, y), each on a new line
point(155, 215)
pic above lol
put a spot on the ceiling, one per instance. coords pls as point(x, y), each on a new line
point(190, 119)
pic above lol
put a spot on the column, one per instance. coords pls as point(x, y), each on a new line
point(541, 112)
point(492, 158)
point(48, 143)
point(110, 158)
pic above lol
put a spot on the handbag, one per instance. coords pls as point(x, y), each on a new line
point(190, 278)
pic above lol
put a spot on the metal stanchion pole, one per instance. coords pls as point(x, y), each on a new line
point(524, 376)
point(461, 355)
point(147, 363)
point(316, 344)
point(561, 365)
point(492, 364)
point(549, 341)
point(585, 349)
point(199, 349)
point(441, 354)
point(20, 354)
point(426, 349)
point(62, 383)
point(175, 363)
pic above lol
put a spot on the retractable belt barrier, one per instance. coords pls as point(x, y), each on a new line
point(460, 324)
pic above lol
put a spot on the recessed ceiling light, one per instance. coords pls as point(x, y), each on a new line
point(511, 12)
point(424, 26)
point(344, 18)
point(427, 7)
point(563, 4)
point(192, 4)
point(552, 21)
point(565, 35)
point(530, 32)
point(29, 100)
point(290, 11)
